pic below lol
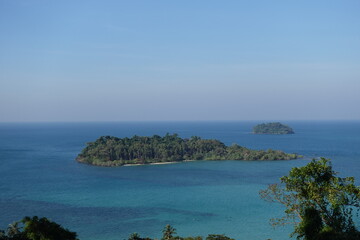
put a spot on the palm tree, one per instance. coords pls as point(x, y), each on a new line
point(13, 229)
point(168, 232)
point(134, 236)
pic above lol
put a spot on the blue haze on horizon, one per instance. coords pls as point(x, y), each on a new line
point(179, 60)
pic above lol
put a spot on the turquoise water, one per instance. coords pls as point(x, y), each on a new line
point(38, 176)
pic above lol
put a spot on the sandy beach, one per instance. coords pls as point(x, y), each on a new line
point(139, 164)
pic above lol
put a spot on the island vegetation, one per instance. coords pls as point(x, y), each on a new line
point(113, 151)
point(272, 128)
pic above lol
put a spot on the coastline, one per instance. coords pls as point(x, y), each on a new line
point(142, 164)
point(158, 163)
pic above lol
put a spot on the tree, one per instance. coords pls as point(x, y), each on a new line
point(134, 236)
point(218, 237)
point(317, 201)
point(13, 229)
point(168, 232)
point(36, 229)
point(311, 224)
point(193, 238)
point(43, 229)
point(2, 235)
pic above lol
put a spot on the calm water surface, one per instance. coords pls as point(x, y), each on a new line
point(38, 176)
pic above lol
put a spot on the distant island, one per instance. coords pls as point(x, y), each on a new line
point(272, 128)
point(113, 151)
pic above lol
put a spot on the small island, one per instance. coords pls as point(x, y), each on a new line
point(113, 151)
point(272, 128)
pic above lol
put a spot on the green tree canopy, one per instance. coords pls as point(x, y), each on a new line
point(317, 201)
point(43, 229)
point(168, 232)
point(34, 228)
point(218, 237)
point(113, 151)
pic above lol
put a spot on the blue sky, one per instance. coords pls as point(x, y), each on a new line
point(179, 60)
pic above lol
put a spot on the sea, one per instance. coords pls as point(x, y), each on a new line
point(39, 176)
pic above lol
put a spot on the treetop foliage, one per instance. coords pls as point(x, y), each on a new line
point(169, 234)
point(317, 201)
point(34, 228)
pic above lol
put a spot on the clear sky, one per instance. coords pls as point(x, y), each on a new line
point(179, 60)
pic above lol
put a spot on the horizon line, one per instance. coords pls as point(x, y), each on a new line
point(194, 121)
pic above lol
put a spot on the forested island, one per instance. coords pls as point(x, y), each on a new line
point(113, 151)
point(272, 128)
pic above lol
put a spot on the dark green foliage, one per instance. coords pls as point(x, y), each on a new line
point(168, 232)
point(37, 229)
point(311, 225)
point(272, 128)
point(320, 203)
point(13, 229)
point(136, 236)
point(13, 232)
point(218, 237)
point(193, 238)
point(113, 151)
point(43, 229)
point(330, 234)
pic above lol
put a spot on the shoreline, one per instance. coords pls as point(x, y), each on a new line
point(142, 164)
point(157, 163)
point(177, 162)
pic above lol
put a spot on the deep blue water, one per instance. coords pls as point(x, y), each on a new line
point(38, 176)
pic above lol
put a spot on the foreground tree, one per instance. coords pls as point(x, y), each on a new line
point(317, 201)
point(13, 229)
point(34, 228)
point(43, 229)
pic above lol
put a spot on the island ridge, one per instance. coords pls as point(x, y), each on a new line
point(113, 151)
